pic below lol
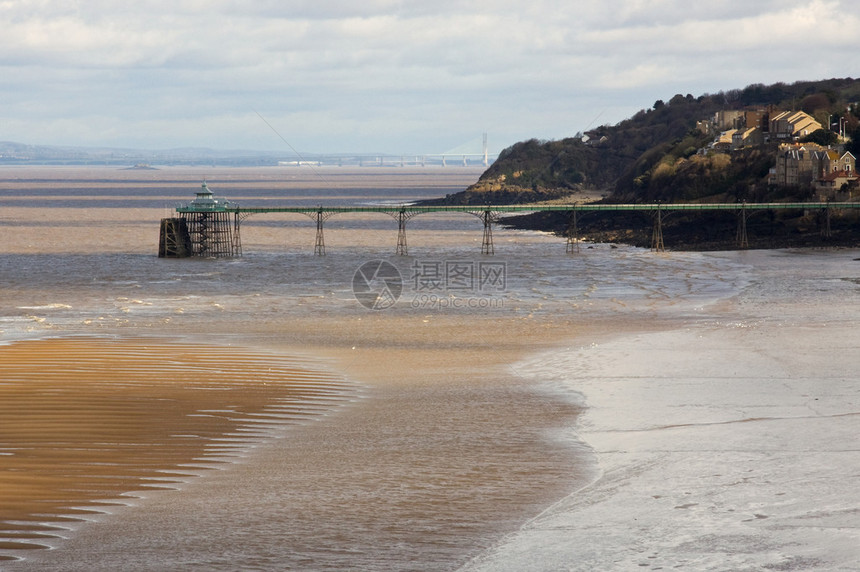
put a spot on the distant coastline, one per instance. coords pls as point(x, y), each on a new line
point(13, 153)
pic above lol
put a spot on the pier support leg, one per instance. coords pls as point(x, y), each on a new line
point(657, 235)
point(319, 245)
point(203, 235)
point(825, 230)
point(741, 240)
point(174, 239)
point(487, 242)
point(237, 238)
point(572, 245)
point(212, 234)
point(402, 250)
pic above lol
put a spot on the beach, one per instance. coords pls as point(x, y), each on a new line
point(727, 443)
point(613, 409)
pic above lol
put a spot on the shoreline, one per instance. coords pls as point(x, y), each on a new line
point(745, 468)
point(631, 471)
point(689, 236)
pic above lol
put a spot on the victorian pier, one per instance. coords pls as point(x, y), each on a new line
point(210, 227)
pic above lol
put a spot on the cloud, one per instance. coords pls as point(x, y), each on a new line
point(387, 73)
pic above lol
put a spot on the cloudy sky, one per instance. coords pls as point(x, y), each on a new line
point(392, 76)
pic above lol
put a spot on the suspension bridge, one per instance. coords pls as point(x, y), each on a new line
point(474, 152)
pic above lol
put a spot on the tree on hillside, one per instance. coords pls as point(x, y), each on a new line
point(823, 137)
point(812, 103)
point(854, 145)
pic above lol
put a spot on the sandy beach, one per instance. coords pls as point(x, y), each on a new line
point(488, 463)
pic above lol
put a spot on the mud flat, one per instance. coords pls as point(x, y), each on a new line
point(728, 442)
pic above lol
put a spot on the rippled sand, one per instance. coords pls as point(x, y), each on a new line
point(84, 422)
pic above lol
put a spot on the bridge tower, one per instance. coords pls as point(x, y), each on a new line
point(319, 244)
point(402, 217)
point(826, 231)
point(211, 234)
point(657, 234)
point(486, 151)
point(741, 239)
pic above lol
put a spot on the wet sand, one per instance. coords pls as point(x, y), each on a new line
point(725, 442)
point(446, 447)
point(85, 422)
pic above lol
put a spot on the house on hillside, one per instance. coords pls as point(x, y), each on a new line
point(751, 136)
point(792, 125)
point(796, 165)
point(837, 185)
point(593, 138)
point(810, 164)
point(728, 119)
point(705, 127)
point(836, 162)
point(757, 118)
point(838, 174)
point(724, 141)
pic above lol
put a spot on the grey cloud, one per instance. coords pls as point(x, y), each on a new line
point(382, 72)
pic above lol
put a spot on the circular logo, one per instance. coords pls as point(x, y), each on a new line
point(377, 284)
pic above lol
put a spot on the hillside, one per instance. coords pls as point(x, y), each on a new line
point(652, 155)
point(668, 153)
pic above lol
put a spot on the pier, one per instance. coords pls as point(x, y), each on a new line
point(210, 227)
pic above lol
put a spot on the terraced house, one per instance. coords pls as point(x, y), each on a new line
point(828, 170)
point(792, 125)
point(751, 128)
